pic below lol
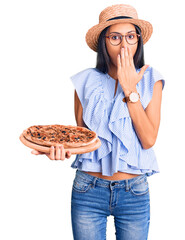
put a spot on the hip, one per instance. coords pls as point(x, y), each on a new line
point(116, 176)
point(84, 182)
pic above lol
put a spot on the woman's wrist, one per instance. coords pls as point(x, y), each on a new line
point(128, 91)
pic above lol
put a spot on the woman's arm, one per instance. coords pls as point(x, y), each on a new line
point(146, 122)
point(78, 111)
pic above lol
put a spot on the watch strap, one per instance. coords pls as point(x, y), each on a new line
point(127, 99)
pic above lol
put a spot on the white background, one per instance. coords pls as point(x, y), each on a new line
point(42, 43)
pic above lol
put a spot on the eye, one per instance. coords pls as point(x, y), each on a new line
point(115, 37)
point(131, 36)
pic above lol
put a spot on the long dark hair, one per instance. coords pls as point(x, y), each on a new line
point(103, 59)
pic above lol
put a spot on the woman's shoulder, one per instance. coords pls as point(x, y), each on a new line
point(86, 72)
point(151, 75)
point(150, 71)
point(88, 84)
point(146, 84)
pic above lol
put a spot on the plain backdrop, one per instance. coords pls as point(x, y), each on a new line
point(42, 44)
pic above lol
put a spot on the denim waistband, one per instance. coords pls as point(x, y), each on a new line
point(106, 183)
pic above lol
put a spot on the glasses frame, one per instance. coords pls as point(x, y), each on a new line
point(138, 35)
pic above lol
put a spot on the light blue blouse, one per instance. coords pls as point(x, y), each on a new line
point(109, 117)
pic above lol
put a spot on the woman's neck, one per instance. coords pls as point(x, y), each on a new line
point(113, 72)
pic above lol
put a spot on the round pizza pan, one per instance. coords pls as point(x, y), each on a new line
point(85, 149)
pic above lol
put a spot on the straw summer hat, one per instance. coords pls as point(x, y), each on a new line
point(119, 13)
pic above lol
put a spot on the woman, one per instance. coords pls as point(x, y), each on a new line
point(120, 100)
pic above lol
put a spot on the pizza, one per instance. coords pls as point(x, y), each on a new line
point(53, 135)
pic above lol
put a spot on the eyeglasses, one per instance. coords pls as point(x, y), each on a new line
point(116, 38)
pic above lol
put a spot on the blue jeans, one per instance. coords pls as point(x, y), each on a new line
point(94, 199)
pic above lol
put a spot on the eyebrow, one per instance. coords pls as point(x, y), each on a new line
point(126, 32)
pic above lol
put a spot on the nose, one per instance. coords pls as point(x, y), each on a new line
point(124, 42)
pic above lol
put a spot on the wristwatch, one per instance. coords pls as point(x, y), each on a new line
point(133, 97)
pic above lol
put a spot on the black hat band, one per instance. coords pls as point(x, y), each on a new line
point(120, 17)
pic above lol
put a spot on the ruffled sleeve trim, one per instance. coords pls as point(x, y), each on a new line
point(146, 85)
point(79, 81)
point(88, 85)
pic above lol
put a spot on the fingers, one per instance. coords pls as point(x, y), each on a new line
point(55, 154)
point(51, 155)
point(119, 62)
point(131, 60)
point(62, 152)
point(59, 153)
point(126, 57)
point(122, 57)
point(143, 69)
point(35, 152)
point(68, 154)
point(127, 75)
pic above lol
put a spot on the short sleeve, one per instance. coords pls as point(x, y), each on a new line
point(150, 77)
point(79, 81)
point(157, 76)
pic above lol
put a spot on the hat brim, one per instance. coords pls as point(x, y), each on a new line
point(93, 33)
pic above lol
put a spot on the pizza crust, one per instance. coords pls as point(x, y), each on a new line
point(44, 149)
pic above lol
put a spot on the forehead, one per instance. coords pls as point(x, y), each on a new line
point(122, 28)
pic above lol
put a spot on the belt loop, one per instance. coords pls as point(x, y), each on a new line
point(126, 185)
point(94, 182)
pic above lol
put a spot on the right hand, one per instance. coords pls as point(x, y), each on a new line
point(58, 154)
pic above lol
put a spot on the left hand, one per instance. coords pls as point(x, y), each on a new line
point(56, 153)
point(126, 72)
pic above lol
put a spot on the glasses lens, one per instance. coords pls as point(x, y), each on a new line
point(132, 38)
point(115, 39)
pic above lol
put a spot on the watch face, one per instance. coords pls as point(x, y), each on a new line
point(134, 97)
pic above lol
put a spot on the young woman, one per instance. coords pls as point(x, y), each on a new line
point(120, 100)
